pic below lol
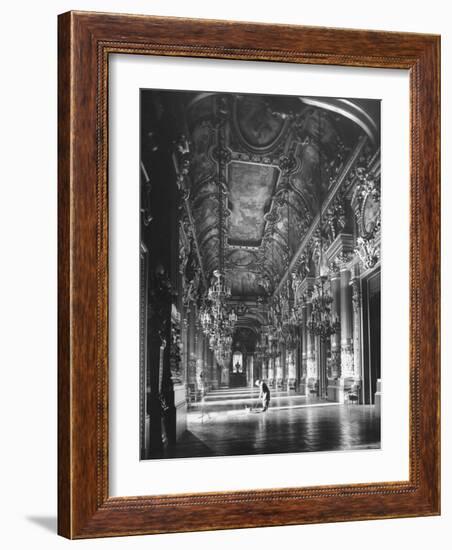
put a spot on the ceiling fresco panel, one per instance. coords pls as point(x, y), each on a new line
point(251, 187)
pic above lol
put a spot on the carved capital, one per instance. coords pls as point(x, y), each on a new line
point(341, 261)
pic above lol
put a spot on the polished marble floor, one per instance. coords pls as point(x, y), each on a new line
point(231, 422)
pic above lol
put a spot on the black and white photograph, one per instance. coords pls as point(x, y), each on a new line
point(260, 258)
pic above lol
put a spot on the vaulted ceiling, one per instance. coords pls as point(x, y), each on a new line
point(259, 170)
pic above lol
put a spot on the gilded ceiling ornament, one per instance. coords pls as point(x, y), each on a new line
point(241, 309)
point(191, 290)
point(264, 282)
point(287, 163)
point(222, 154)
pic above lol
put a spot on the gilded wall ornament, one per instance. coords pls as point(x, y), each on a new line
point(222, 155)
point(368, 251)
point(335, 219)
point(356, 294)
point(341, 261)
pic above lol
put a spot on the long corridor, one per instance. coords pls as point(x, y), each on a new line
point(259, 261)
point(231, 422)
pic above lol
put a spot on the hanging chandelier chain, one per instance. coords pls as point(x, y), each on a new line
point(217, 318)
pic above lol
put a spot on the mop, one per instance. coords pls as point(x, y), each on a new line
point(253, 409)
point(246, 411)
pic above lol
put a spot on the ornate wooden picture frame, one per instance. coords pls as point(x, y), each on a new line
point(86, 40)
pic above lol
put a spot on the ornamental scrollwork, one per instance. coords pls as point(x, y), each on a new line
point(366, 202)
point(184, 248)
point(335, 219)
point(356, 295)
point(340, 261)
point(287, 163)
point(146, 190)
point(182, 160)
point(303, 266)
point(367, 183)
point(368, 251)
point(192, 290)
point(264, 282)
point(222, 155)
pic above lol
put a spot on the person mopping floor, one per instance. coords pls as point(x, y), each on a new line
point(264, 394)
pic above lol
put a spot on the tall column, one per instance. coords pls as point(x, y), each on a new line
point(271, 370)
point(284, 366)
point(336, 338)
point(225, 372)
point(264, 368)
point(347, 367)
point(184, 339)
point(311, 358)
point(214, 376)
point(291, 368)
point(304, 347)
point(356, 300)
point(278, 369)
point(191, 350)
point(320, 347)
point(199, 344)
point(299, 361)
point(206, 362)
point(250, 370)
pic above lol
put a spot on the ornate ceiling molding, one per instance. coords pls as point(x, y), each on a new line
point(274, 222)
point(326, 204)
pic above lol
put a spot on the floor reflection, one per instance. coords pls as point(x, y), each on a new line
point(232, 423)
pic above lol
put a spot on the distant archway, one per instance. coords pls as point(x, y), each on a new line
point(237, 362)
point(237, 377)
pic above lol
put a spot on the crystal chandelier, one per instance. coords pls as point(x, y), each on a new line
point(217, 319)
point(322, 323)
point(221, 346)
point(219, 291)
